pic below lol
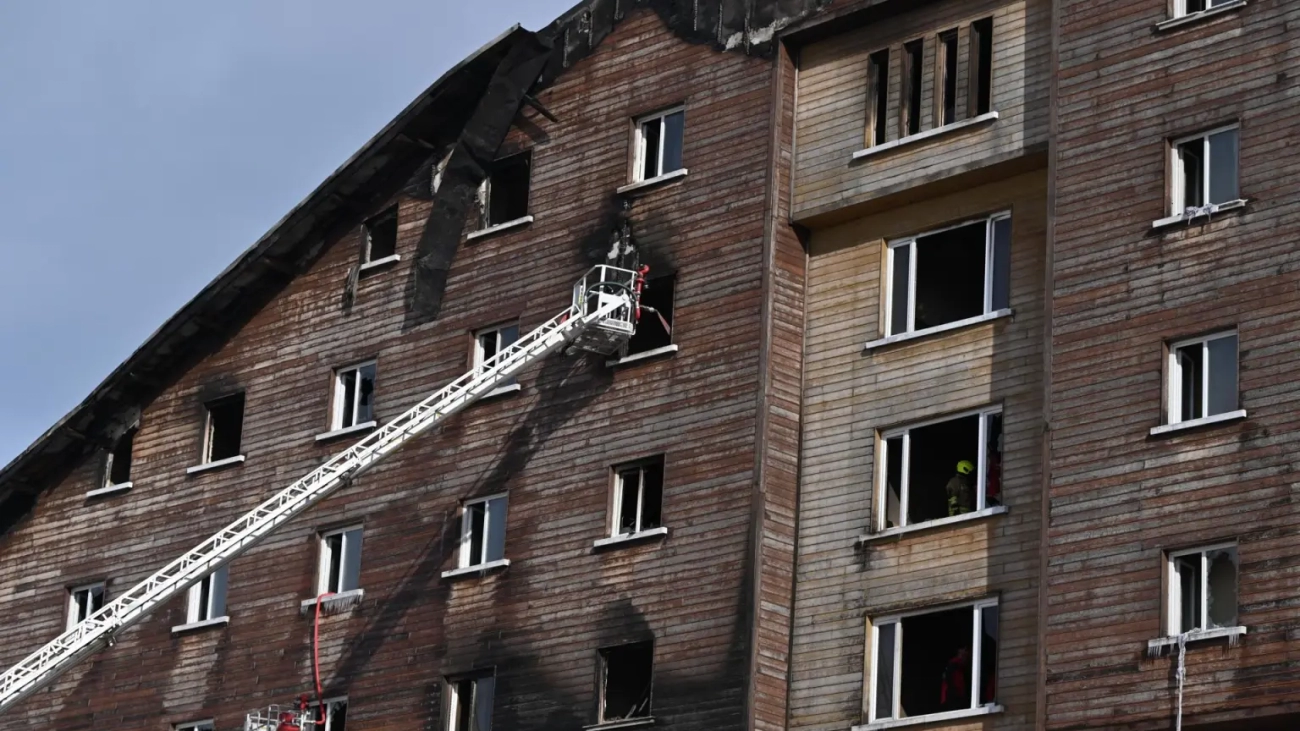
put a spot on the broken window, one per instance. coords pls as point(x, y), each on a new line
point(913, 69)
point(483, 531)
point(981, 67)
point(469, 703)
point(625, 678)
point(195, 726)
point(1202, 586)
point(354, 396)
point(340, 561)
point(654, 330)
point(1205, 170)
point(1202, 377)
point(505, 192)
point(225, 427)
point(117, 465)
point(946, 84)
point(940, 469)
point(489, 342)
point(84, 601)
point(381, 236)
point(207, 599)
point(934, 662)
point(1189, 7)
point(638, 497)
point(878, 98)
point(336, 715)
point(659, 140)
point(950, 275)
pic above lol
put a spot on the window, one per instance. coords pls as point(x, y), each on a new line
point(84, 601)
point(489, 342)
point(625, 679)
point(934, 662)
point(878, 98)
point(946, 71)
point(950, 275)
point(1202, 377)
point(1205, 170)
point(381, 236)
point(655, 328)
point(340, 561)
point(336, 715)
point(659, 139)
point(469, 703)
point(1190, 7)
point(505, 192)
point(207, 599)
point(354, 396)
point(980, 95)
point(1202, 587)
point(940, 469)
point(196, 726)
point(913, 68)
point(225, 428)
point(638, 497)
point(117, 465)
point(483, 531)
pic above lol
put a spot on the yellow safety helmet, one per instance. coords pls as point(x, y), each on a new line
point(965, 467)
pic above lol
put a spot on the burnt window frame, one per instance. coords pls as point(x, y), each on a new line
point(452, 691)
point(368, 227)
point(124, 447)
point(210, 428)
point(486, 225)
point(602, 681)
point(650, 319)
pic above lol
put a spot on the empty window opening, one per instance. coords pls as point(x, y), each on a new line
point(654, 330)
point(1188, 7)
point(381, 235)
point(1205, 170)
point(84, 601)
point(196, 726)
point(950, 275)
point(469, 703)
point(354, 396)
point(505, 192)
point(1202, 377)
point(336, 715)
point(340, 561)
point(625, 679)
point(490, 342)
point(946, 68)
point(935, 662)
point(483, 531)
point(659, 140)
point(1202, 589)
point(117, 467)
point(913, 70)
point(941, 469)
point(638, 497)
point(207, 599)
point(981, 67)
point(878, 98)
point(225, 427)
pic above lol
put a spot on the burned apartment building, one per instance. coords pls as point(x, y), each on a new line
point(958, 396)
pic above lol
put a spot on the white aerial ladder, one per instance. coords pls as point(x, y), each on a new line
point(601, 318)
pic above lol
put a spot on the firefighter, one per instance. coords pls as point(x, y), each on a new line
point(954, 692)
point(961, 490)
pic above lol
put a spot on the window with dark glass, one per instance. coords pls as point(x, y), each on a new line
point(659, 141)
point(505, 192)
point(913, 73)
point(381, 235)
point(225, 428)
point(626, 675)
point(638, 497)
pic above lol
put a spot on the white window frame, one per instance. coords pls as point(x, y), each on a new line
point(1180, 8)
point(340, 392)
point(467, 526)
point(1178, 190)
point(639, 142)
point(73, 621)
point(479, 352)
point(329, 704)
point(1173, 398)
point(454, 700)
point(977, 642)
point(209, 427)
point(882, 465)
point(206, 725)
point(323, 567)
point(194, 611)
point(990, 226)
point(367, 231)
point(617, 513)
point(1174, 589)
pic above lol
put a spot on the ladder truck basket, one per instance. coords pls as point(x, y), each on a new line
point(600, 286)
point(278, 718)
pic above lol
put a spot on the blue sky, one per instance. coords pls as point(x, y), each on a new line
point(143, 145)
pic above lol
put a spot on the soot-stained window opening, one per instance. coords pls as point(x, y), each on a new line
point(659, 141)
point(336, 715)
point(505, 192)
point(381, 235)
point(655, 328)
point(626, 674)
point(117, 464)
point(225, 428)
point(469, 702)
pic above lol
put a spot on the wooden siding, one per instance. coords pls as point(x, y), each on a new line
point(1119, 497)
point(832, 108)
point(849, 395)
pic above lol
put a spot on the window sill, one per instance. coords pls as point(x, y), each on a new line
point(919, 137)
point(931, 718)
point(499, 228)
point(644, 355)
point(219, 464)
point(366, 426)
point(932, 524)
point(195, 626)
point(1197, 17)
point(1159, 645)
point(629, 723)
point(380, 263)
point(958, 325)
point(1194, 423)
point(1206, 212)
point(481, 569)
point(630, 538)
point(110, 489)
point(652, 182)
point(333, 604)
